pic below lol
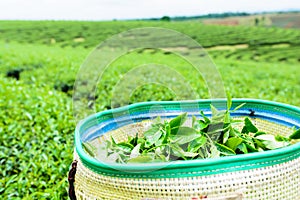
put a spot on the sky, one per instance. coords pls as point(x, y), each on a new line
point(132, 9)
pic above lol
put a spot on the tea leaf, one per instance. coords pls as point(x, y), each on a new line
point(141, 159)
point(185, 135)
point(233, 142)
point(243, 148)
point(250, 127)
point(135, 151)
point(224, 150)
point(152, 135)
point(196, 144)
point(295, 135)
point(238, 107)
point(178, 121)
point(270, 142)
point(229, 101)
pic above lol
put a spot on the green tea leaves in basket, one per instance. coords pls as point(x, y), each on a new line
point(171, 140)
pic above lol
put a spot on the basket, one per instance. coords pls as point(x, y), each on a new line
point(273, 174)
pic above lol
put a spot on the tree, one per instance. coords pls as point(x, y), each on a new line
point(165, 18)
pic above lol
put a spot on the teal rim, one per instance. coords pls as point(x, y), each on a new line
point(191, 167)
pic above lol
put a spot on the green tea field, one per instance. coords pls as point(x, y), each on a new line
point(39, 61)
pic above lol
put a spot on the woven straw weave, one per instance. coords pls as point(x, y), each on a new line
point(276, 181)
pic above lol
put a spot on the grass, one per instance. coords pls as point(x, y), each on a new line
point(36, 115)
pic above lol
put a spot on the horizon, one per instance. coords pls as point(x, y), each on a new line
point(172, 17)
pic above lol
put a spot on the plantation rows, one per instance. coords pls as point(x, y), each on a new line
point(90, 34)
point(265, 54)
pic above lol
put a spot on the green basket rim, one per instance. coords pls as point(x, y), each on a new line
point(187, 168)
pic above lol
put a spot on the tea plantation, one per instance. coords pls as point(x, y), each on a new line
point(38, 66)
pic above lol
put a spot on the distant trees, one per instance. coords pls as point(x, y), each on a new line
point(165, 18)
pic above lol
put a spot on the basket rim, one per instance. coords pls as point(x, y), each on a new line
point(184, 168)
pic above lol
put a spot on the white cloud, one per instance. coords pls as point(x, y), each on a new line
point(124, 9)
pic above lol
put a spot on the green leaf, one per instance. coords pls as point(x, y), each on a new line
point(229, 101)
point(194, 121)
point(141, 141)
point(185, 135)
point(214, 152)
point(124, 146)
point(157, 120)
point(152, 136)
point(202, 124)
point(196, 144)
point(189, 154)
point(214, 110)
point(281, 138)
point(233, 132)
point(243, 148)
point(245, 130)
point(225, 136)
point(224, 150)
point(206, 119)
point(251, 147)
point(227, 118)
point(90, 149)
point(259, 133)
point(295, 135)
point(179, 152)
point(259, 144)
point(178, 121)
point(233, 142)
point(135, 151)
point(238, 107)
point(270, 142)
point(219, 117)
point(250, 127)
point(112, 140)
point(141, 159)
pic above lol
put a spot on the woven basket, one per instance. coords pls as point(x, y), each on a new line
point(273, 174)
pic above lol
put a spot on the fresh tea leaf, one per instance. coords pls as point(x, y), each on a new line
point(243, 148)
point(250, 127)
point(238, 107)
point(124, 146)
point(206, 119)
point(152, 135)
point(141, 159)
point(177, 122)
point(270, 142)
point(214, 110)
point(224, 150)
point(90, 149)
point(233, 143)
point(179, 152)
point(295, 135)
point(135, 151)
point(196, 144)
point(229, 101)
point(225, 136)
point(185, 135)
point(281, 138)
point(259, 133)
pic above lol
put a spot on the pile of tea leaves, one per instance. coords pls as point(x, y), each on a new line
point(171, 140)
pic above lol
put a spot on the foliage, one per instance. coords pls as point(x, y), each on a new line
point(36, 128)
point(206, 138)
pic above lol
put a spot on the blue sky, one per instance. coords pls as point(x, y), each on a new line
point(128, 9)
